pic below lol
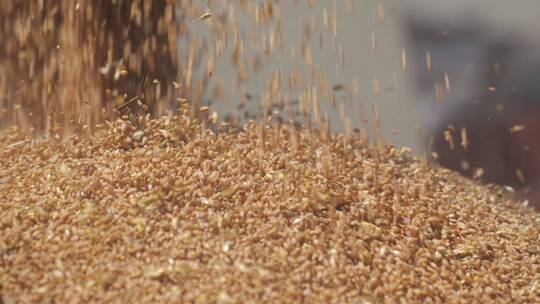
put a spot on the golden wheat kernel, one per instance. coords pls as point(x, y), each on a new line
point(517, 128)
point(138, 135)
point(464, 138)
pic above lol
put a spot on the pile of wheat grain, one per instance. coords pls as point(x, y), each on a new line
point(165, 211)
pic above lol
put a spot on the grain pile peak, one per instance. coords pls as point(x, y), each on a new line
point(162, 210)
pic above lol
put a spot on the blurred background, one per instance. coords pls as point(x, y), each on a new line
point(443, 70)
point(491, 54)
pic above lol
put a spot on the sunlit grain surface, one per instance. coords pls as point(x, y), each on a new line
point(163, 211)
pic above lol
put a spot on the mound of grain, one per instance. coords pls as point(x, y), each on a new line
point(161, 210)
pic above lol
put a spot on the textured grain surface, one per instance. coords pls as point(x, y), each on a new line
point(161, 213)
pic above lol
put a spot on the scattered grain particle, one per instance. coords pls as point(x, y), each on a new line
point(203, 109)
point(138, 135)
point(376, 87)
point(403, 59)
point(517, 128)
point(520, 175)
point(447, 82)
point(380, 12)
point(478, 173)
point(428, 61)
point(204, 16)
point(464, 139)
point(373, 42)
point(449, 138)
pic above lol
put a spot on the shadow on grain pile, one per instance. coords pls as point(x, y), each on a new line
point(167, 211)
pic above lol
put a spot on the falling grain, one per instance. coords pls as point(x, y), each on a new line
point(341, 56)
point(380, 12)
point(447, 82)
point(326, 22)
point(520, 175)
point(349, 6)
point(478, 173)
point(449, 138)
point(204, 16)
point(203, 109)
point(403, 59)
point(517, 128)
point(464, 139)
point(376, 87)
point(428, 61)
point(439, 92)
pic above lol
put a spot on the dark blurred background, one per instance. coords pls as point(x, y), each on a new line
point(492, 55)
